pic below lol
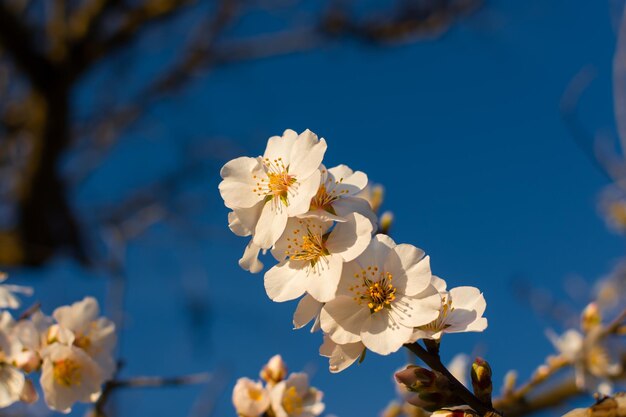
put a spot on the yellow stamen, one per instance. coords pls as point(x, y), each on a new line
point(66, 372)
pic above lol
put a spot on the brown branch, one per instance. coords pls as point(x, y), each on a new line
point(18, 40)
point(146, 382)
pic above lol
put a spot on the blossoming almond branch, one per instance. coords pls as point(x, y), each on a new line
point(71, 351)
point(364, 291)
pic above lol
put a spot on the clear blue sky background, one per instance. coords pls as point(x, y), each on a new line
point(465, 134)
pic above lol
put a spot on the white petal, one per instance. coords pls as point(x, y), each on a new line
point(306, 154)
point(77, 316)
point(280, 147)
point(342, 319)
point(7, 299)
point(242, 222)
point(286, 281)
point(324, 278)
point(348, 180)
point(376, 252)
point(239, 182)
point(322, 215)
point(410, 269)
point(308, 309)
point(419, 309)
point(301, 193)
point(271, 224)
point(381, 335)
point(346, 205)
point(438, 283)
point(468, 298)
point(250, 259)
point(350, 239)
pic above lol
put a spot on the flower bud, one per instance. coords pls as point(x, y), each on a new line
point(376, 197)
point(590, 317)
point(510, 380)
point(416, 378)
point(274, 371)
point(481, 380)
point(386, 221)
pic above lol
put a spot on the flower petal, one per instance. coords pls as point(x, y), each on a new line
point(350, 239)
point(342, 319)
point(346, 205)
point(250, 259)
point(410, 269)
point(308, 308)
point(324, 278)
point(239, 182)
point(419, 309)
point(348, 181)
point(382, 335)
point(306, 154)
point(271, 224)
point(302, 192)
point(286, 281)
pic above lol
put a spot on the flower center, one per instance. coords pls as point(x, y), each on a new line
point(377, 294)
point(326, 194)
point(292, 402)
point(278, 181)
point(66, 372)
point(82, 341)
point(440, 322)
point(308, 244)
point(255, 394)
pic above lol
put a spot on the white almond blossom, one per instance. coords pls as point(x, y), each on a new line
point(382, 295)
point(94, 334)
point(250, 398)
point(282, 182)
point(337, 197)
point(340, 356)
point(461, 311)
point(7, 293)
point(593, 363)
point(294, 397)
point(68, 376)
point(312, 256)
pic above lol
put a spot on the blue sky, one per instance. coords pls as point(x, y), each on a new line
point(465, 134)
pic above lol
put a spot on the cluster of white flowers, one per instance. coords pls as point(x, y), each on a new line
point(280, 396)
point(595, 359)
point(72, 351)
point(363, 291)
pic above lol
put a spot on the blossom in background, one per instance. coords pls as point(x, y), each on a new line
point(593, 363)
point(312, 256)
point(69, 375)
point(7, 293)
point(382, 295)
point(294, 397)
point(337, 196)
point(281, 182)
point(461, 311)
point(274, 371)
point(93, 334)
point(250, 398)
point(280, 397)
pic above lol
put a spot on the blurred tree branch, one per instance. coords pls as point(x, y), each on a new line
point(47, 48)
